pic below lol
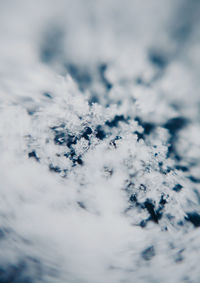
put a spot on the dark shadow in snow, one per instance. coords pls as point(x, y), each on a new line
point(182, 168)
point(177, 188)
point(55, 169)
point(194, 218)
point(80, 74)
point(100, 133)
point(115, 121)
point(155, 214)
point(48, 95)
point(147, 126)
point(86, 133)
point(174, 125)
point(102, 68)
point(33, 154)
point(26, 271)
point(52, 45)
point(194, 179)
point(158, 59)
point(148, 253)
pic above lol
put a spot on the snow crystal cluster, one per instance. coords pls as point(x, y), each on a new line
point(100, 141)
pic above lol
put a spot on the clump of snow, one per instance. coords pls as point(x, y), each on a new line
point(99, 138)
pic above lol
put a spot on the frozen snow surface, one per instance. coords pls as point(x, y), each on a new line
point(100, 141)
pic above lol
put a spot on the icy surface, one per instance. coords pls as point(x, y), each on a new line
point(100, 141)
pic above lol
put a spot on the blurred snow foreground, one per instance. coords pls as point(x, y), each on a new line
point(100, 141)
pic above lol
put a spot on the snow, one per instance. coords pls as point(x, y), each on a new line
point(99, 139)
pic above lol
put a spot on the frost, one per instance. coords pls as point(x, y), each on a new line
point(99, 138)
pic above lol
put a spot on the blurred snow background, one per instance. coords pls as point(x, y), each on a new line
point(100, 141)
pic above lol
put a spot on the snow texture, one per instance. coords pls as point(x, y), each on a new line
point(100, 141)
